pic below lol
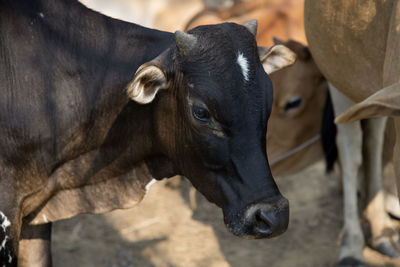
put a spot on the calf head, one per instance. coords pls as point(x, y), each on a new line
point(210, 119)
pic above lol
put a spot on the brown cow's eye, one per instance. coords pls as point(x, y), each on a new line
point(293, 103)
point(201, 114)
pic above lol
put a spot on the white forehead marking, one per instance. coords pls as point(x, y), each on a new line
point(150, 184)
point(44, 218)
point(244, 64)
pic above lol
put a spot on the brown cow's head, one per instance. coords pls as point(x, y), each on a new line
point(210, 118)
point(300, 93)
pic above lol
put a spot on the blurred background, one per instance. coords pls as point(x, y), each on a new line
point(174, 225)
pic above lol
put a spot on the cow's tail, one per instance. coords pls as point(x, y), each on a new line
point(328, 133)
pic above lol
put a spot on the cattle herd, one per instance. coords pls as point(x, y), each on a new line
point(93, 110)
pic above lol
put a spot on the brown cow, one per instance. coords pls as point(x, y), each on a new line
point(294, 141)
point(277, 18)
point(355, 43)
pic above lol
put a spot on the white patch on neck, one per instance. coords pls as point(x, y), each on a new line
point(244, 65)
point(5, 223)
point(150, 184)
point(3, 243)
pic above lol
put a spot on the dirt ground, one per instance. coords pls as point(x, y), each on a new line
point(165, 230)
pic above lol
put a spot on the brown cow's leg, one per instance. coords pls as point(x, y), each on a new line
point(382, 229)
point(349, 149)
point(349, 141)
point(34, 246)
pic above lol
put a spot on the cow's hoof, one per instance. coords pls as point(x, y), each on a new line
point(351, 262)
point(387, 248)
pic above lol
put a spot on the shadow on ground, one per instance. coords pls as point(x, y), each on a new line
point(165, 231)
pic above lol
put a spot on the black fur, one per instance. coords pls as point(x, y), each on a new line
point(66, 120)
point(328, 133)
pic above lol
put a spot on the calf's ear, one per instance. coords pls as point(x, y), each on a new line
point(149, 79)
point(276, 57)
point(385, 102)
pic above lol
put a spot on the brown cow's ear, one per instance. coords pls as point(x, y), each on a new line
point(277, 41)
point(385, 102)
point(276, 57)
point(149, 79)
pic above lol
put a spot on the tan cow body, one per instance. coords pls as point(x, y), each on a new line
point(355, 43)
point(342, 36)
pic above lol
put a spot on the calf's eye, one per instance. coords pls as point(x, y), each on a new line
point(200, 113)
